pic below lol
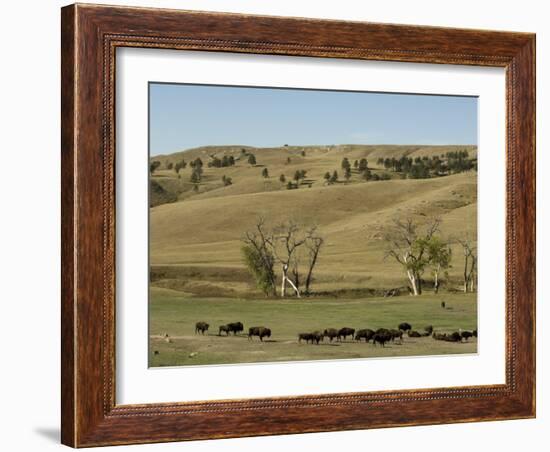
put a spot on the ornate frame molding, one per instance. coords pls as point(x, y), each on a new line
point(90, 37)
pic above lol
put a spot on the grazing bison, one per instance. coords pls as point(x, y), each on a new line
point(331, 333)
point(455, 337)
point(466, 335)
point(364, 334)
point(201, 327)
point(316, 337)
point(260, 331)
point(412, 333)
point(382, 331)
point(474, 333)
point(404, 326)
point(396, 334)
point(225, 329)
point(428, 330)
point(235, 327)
point(345, 332)
point(381, 337)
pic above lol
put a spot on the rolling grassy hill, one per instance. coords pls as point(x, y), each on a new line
point(204, 229)
point(247, 179)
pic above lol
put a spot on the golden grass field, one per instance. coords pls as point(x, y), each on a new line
point(195, 242)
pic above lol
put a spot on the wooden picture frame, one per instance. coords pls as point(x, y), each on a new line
point(90, 36)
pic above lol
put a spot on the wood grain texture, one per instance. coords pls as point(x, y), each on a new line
point(90, 36)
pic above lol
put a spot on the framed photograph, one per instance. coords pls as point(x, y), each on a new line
point(281, 225)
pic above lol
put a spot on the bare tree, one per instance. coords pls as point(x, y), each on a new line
point(288, 244)
point(470, 263)
point(313, 244)
point(285, 243)
point(408, 245)
point(296, 271)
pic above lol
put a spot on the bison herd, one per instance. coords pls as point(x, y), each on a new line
point(383, 335)
point(235, 328)
point(380, 336)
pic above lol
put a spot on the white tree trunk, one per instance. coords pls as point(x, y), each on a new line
point(413, 281)
point(283, 283)
point(285, 280)
point(294, 287)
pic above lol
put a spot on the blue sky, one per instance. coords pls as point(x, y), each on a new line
point(187, 116)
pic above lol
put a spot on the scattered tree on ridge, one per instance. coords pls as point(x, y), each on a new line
point(347, 174)
point(180, 165)
point(153, 166)
point(345, 163)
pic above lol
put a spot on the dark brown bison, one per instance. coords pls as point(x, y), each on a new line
point(260, 331)
point(396, 334)
point(382, 331)
point(413, 333)
point(331, 333)
point(381, 337)
point(316, 337)
point(343, 333)
point(201, 327)
point(428, 330)
point(236, 327)
point(404, 326)
point(466, 335)
point(224, 329)
point(474, 333)
point(455, 337)
point(364, 334)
